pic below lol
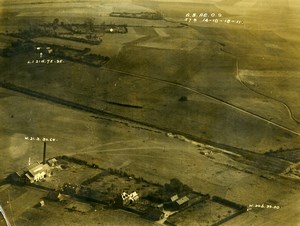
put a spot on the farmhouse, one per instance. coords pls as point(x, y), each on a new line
point(129, 198)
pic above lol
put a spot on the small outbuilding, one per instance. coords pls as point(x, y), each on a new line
point(177, 203)
point(55, 196)
point(52, 162)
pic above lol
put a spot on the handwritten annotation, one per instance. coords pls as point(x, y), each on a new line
point(209, 17)
point(262, 206)
point(40, 139)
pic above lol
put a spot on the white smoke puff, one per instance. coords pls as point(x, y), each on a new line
point(18, 146)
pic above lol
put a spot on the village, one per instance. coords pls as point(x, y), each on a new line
point(46, 40)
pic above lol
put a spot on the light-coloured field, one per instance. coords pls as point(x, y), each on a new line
point(170, 44)
point(157, 90)
point(280, 85)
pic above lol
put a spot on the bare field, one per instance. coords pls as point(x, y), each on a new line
point(213, 73)
point(207, 214)
point(178, 10)
point(159, 101)
point(271, 83)
point(17, 200)
point(58, 215)
point(28, 118)
point(269, 217)
point(27, 13)
point(168, 92)
point(170, 44)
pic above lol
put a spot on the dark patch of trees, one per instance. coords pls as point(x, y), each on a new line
point(174, 187)
point(177, 187)
point(183, 98)
point(55, 23)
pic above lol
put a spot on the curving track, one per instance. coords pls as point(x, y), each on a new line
point(273, 165)
point(216, 99)
point(291, 114)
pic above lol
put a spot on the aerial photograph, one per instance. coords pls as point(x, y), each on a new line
point(149, 112)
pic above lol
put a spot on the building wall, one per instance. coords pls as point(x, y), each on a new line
point(39, 176)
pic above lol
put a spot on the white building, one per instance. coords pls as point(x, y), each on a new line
point(37, 172)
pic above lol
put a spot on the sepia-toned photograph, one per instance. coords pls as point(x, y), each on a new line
point(149, 112)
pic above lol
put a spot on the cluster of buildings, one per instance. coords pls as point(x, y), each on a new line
point(38, 171)
point(35, 172)
point(174, 204)
point(177, 203)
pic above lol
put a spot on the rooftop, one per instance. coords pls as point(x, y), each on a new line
point(182, 200)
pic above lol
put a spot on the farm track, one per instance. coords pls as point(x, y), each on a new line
point(270, 164)
point(291, 114)
point(216, 99)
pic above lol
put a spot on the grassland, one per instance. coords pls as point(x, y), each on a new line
point(237, 80)
point(156, 89)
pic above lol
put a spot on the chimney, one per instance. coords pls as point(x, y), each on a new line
point(44, 155)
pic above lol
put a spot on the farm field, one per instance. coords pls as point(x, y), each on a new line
point(209, 100)
point(128, 88)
